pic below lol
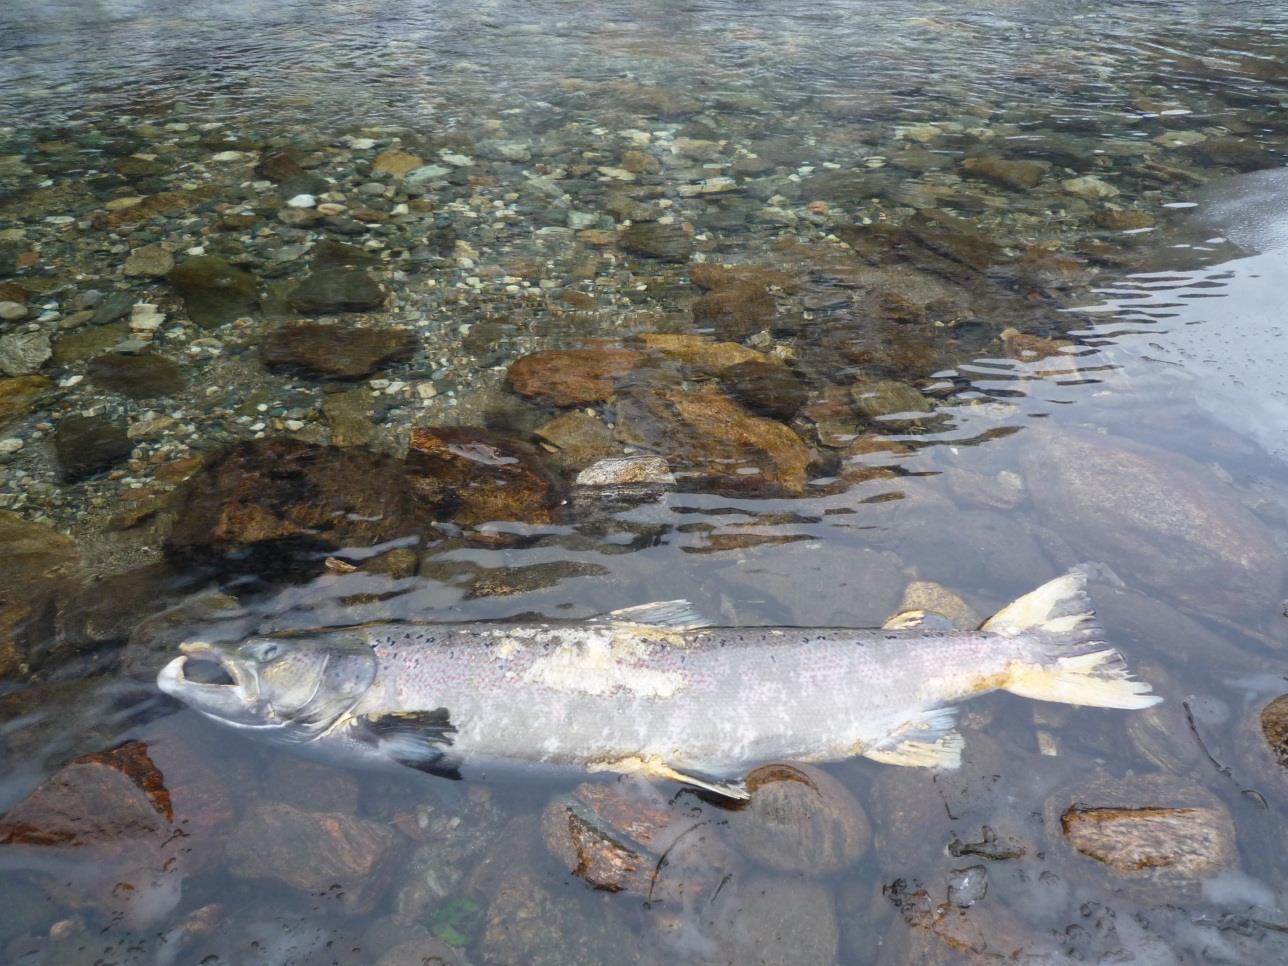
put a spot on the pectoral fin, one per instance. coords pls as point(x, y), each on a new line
point(732, 788)
point(927, 741)
point(676, 615)
point(417, 739)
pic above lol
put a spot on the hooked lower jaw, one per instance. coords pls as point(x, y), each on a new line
point(228, 701)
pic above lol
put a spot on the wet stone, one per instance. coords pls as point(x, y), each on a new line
point(335, 351)
point(627, 471)
point(1170, 523)
point(614, 837)
point(282, 168)
point(280, 506)
point(317, 853)
point(572, 377)
point(1019, 175)
point(885, 400)
point(763, 921)
point(24, 353)
point(213, 291)
point(332, 291)
point(40, 573)
point(475, 476)
point(714, 442)
point(735, 311)
point(142, 376)
point(699, 352)
point(1155, 831)
point(150, 261)
point(800, 820)
point(651, 239)
point(89, 445)
point(17, 395)
point(766, 388)
point(576, 439)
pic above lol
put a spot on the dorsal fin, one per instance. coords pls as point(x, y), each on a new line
point(677, 615)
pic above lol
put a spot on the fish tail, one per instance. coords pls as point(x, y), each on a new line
point(1071, 665)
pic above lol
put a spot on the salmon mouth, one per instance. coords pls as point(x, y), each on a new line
point(211, 682)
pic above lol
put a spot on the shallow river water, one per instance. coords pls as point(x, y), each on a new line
point(346, 311)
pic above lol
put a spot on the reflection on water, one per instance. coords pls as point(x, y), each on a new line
point(808, 317)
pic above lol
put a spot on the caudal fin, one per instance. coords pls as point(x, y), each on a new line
point(1071, 666)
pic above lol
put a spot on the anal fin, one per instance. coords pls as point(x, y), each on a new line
point(416, 739)
point(927, 741)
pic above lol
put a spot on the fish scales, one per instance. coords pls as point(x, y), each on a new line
point(653, 690)
point(719, 699)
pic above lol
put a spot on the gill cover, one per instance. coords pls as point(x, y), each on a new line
point(294, 687)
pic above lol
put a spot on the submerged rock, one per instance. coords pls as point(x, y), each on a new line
point(335, 351)
point(1020, 175)
point(116, 831)
point(800, 819)
point(576, 439)
point(1154, 831)
point(700, 352)
point(143, 376)
point(214, 291)
point(476, 476)
point(333, 291)
point(40, 572)
point(652, 239)
point(1159, 516)
point(149, 261)
point(713, 441)
point(88, 445)
point(766, 388)
point(19, 393)
point(765, 921)
point(628, 836)
point(24, 353)
point(572, 377)
point(317, 853)
point(280, 506)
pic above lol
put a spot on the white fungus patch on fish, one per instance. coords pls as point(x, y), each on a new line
point(600, 662)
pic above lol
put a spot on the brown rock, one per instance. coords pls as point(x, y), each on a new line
point(109, 824)
point(214, 291)
point(475, 476)
point(572, 377)
point(712, 277)
point(313, 852)
point(614, 836)
point(801, 820)
point(1124, 219)
point(929, 596)
point(700, 352)
point(766, 388)
point(1152, 830)
point(396, 162)
point(278, 506)
point(1030, 348)
point(721, 444)
point(652, 239)
point(143, 376)
point(576, 439)
point(18, 394)
point(335, 351)
point(1020, 175)
point(736, 311)
point(40, 573)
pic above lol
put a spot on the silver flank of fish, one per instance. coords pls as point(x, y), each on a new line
point(645, 690)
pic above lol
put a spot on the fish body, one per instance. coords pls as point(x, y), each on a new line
point(649, 690)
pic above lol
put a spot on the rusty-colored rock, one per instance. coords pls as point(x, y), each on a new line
point(628, 837)
point(279, 506)
point(801, 820)
point(474, 476)
point(572, 377)
point(700, 352)
point(721, 444)
point(313, 852)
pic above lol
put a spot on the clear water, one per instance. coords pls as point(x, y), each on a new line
point(1172, 388)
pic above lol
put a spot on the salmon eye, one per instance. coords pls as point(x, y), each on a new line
point(264, 652)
